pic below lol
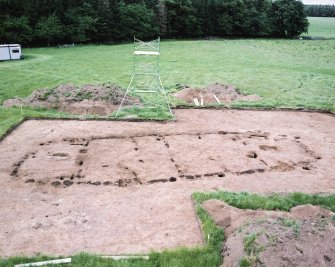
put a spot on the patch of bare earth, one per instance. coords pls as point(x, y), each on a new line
point(305, 236)
point(213, 94)
point(100, 99)
point(115, 187)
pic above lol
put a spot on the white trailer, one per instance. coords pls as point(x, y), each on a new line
point(10, 52)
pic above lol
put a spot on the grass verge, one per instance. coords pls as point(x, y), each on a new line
point(143, 113)
point(246, 200)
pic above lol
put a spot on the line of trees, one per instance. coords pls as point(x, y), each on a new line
point(320, 10)
point(48, 22)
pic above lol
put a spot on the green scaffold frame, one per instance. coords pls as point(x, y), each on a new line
point(146, 82)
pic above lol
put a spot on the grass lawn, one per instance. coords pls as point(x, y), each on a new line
point(286, 73)
point(210, 255)
point(324, 27)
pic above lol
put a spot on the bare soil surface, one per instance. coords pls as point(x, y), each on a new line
point(224, 93)
point(305, 236)
point(81, 100)
point(125, 187)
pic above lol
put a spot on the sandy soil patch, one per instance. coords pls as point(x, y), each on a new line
point(305, 236)
point(125, 187)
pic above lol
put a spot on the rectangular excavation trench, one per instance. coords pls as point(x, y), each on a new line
point(125, 187)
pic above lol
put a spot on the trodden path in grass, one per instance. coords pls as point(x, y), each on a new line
point(125, 187)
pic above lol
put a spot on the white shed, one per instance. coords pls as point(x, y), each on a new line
point(10, 52)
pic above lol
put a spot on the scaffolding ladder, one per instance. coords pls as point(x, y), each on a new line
point(146, 82)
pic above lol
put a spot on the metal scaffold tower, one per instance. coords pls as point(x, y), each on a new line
point(146, 81)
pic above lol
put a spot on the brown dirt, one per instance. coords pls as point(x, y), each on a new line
point(305, 236)
point(225, 93)
point(81, 100)
point(84, 107)
point(125, 187)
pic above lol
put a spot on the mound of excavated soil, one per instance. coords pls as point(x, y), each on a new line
point(87, 99)
point(224, 93)
point(305, 236)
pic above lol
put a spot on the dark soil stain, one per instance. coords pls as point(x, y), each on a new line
point(68, 183)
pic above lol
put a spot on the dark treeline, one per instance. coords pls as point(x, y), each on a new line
point(320, 10)
point(49, 22)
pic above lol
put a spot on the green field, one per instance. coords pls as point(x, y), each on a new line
point(322, 27)
point(286, 73)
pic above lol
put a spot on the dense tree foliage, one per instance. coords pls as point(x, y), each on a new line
point(289, 18)
point(48, 22)
point(49, 29)
point(320, 10)
point(136, 19)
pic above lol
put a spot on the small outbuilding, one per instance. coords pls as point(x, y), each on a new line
point(10, 52)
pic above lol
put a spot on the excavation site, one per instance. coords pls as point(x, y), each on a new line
point(119, 187)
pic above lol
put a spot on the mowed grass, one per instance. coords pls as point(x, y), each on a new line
point(286, 73)
point(322, 27)
point(210, 254)
point(290, 73)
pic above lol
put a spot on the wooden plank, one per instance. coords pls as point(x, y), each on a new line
point(196, 102)
point(217, 99)
point(43, 263)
